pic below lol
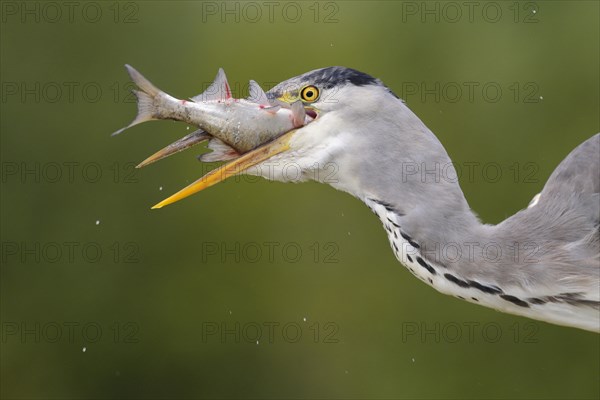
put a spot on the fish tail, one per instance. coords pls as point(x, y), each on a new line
point(145, 99)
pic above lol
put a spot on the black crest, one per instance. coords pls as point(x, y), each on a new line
point(335, 76)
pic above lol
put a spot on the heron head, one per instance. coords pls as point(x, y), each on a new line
point(349, 110)
point(345, 104)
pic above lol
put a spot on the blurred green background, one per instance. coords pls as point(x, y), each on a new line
point(102, 297)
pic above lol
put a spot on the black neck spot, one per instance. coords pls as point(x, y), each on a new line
point(456, 281)
point(514, 300)
point(424, 264)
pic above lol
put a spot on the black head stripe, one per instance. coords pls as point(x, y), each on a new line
point(335, 76)
point(326, 78)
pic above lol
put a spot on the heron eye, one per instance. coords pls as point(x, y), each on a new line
point(309, 93)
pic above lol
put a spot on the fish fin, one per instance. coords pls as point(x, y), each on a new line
point(298, 114)
point(257, 94)
point(220, 152)
point(145, 99)
point(218, 90)
point(185, 142)
point(196, 137)
point(145, 105)
point(141, 81)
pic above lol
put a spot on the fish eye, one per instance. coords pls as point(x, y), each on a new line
point(309, 93)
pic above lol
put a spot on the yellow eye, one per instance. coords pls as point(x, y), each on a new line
point(309, 93)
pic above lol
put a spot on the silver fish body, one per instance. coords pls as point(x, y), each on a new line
point(239, 123)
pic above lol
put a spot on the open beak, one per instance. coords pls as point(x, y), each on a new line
point(247, 160)
point(239, 164)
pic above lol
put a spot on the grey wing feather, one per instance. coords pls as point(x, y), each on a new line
point(572, 194)
point(570, 203)
point(578, 173)
point(565, 224)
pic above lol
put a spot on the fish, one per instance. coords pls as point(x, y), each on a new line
point(232, 126)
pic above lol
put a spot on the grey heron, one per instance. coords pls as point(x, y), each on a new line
point(371, 137)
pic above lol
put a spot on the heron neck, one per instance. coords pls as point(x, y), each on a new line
point(407, 170)
point(446, 230)
point(404, 174)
